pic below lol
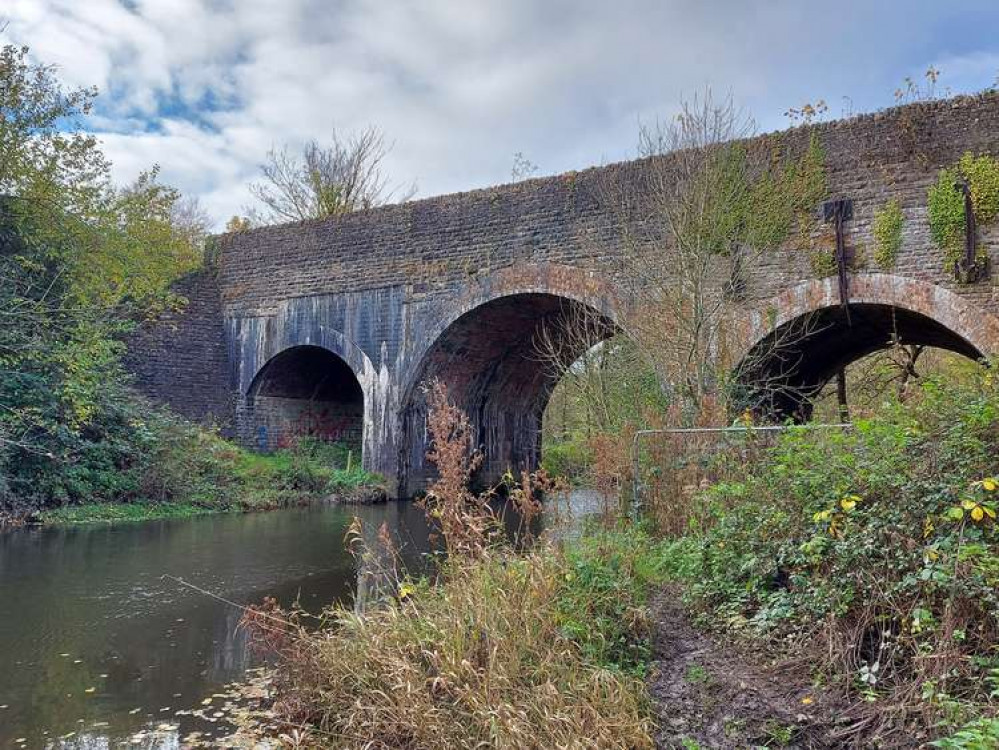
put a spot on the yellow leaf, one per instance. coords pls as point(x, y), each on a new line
point(978, 513)
point(808, 700)
point(990, 484)
point(848, 503)
point(969, 504)
point(989, 512)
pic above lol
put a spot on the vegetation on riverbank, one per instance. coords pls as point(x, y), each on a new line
point(866, 561)
point(871, 556)
point(531, 650)
point(165, 467)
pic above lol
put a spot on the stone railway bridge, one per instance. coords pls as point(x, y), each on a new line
point(330, 327)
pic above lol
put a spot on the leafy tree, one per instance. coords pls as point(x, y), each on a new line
point(79, 257)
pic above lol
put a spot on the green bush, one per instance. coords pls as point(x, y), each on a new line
point(876, 550)
point(570, 459)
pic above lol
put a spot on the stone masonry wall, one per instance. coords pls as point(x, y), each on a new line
point(378, 288)
point(181, 359)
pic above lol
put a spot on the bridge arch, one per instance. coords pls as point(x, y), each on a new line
point(798, 340)
point(483, 346)
point(305, 391)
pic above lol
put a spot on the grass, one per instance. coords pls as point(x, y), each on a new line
point(536, 650)
point(72, 515)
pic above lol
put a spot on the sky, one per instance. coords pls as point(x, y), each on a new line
point(205, 88)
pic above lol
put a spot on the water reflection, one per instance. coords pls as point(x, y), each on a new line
point(96, 645)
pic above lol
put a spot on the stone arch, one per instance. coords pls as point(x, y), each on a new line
point(796, 341)
point(481, 346)
point(261, 340)
point(305, 391)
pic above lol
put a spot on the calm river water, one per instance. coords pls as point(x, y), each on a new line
point(96, 645)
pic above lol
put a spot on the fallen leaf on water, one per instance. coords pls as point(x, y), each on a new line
point(90, 690)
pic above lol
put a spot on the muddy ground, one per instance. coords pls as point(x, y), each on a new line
point(712, 694)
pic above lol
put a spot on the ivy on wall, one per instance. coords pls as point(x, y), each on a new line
point(887, 232)
point(945, 203)
point(788, 191)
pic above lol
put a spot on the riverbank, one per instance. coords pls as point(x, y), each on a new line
point(187, 471)
point(839, 590)
point(538, 649)
point(365, 492)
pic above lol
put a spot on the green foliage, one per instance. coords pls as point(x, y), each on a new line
point(980, 734)
point(79, 259)
point(882, 537)
point(154, 465)
point(611, 387)
point(601, 605)
point(945, 203)
point(822, 262)
point(570, 458)
point(887, 231)
point(757, 206)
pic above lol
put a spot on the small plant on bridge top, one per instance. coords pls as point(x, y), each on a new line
point(465, 520)
point(945, 202)
point(887, 231)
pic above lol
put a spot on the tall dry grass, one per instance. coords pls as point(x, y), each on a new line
point(501, 650)
point(477, 661)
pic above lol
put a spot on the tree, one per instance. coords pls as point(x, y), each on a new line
point(238, 223)
point(693, 213)
point(78, 257)
point(339, 177)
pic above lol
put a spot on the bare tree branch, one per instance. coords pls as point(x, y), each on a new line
point(323, 180)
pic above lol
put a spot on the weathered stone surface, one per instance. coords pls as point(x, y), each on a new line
point(455, 286)
point(181, 358)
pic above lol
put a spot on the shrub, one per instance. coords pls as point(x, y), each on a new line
point(875, 550)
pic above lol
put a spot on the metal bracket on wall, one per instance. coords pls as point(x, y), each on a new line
point(969, 269)
point(838, 212)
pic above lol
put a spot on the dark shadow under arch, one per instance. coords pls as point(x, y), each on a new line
point(788, 367)
point(306, 391)
point(489, 360)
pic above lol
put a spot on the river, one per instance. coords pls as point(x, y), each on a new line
point(98, 644)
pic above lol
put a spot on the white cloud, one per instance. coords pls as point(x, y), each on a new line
point(205, 87)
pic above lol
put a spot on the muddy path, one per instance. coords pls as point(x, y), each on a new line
point(709, 694)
